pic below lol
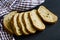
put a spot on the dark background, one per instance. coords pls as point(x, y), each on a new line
point(52, 32)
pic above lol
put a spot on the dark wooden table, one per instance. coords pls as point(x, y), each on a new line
point(52, 32)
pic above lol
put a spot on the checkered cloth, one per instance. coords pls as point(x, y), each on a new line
point(7, 6)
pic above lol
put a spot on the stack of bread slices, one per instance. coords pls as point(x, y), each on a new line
point(26, 23)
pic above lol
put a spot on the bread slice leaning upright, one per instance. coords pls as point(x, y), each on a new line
point(47, 15)
point(28, 24)
point(21, 23)
point(36, 21)
point(15, 27)
point(6, 22)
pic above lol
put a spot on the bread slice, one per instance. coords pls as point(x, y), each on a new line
point(47, 15)
point(36, 21)
point(28, 24)
point(6, 22)
point(21, 24)
point(16, 28)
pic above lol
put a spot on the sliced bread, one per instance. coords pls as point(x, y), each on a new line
point(15, 27)
point(47, 15)
point(6, 22)
point(21, 23)
point(28, 24)
point(36, 21)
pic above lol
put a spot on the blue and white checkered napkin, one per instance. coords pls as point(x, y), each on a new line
point(8, 5)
